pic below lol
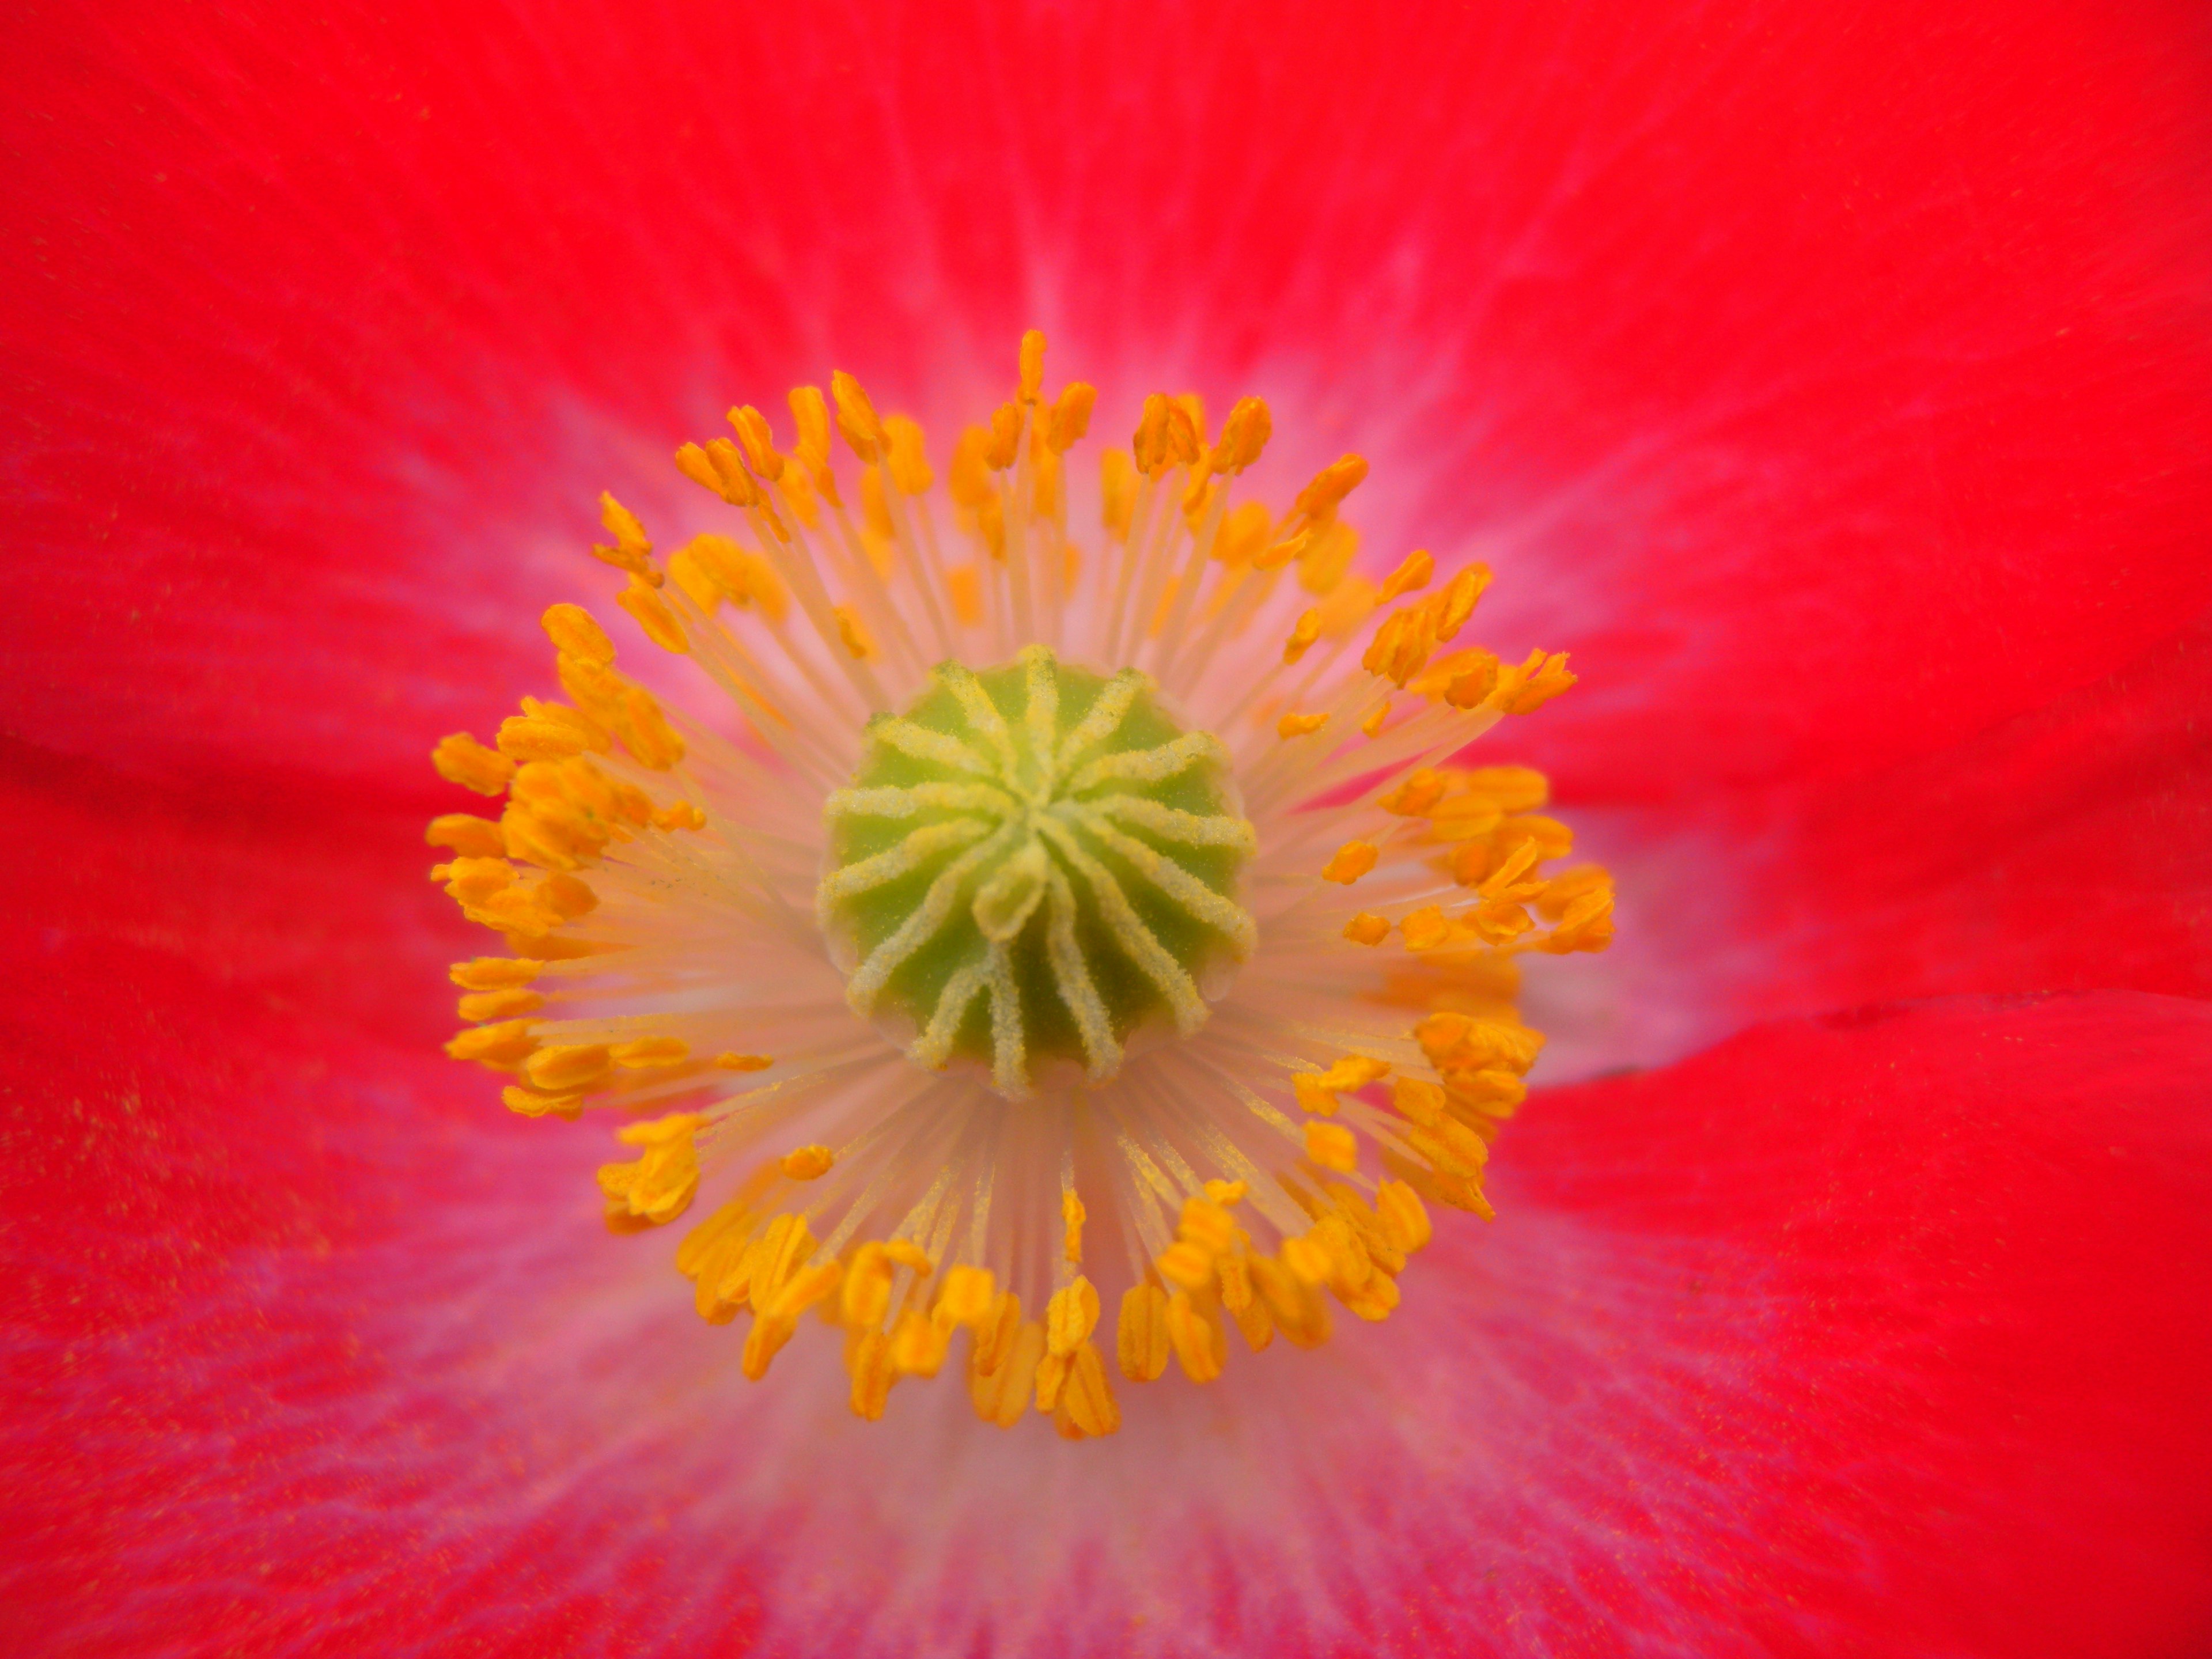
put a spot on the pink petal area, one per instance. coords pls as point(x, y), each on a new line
point(1846, 1337)
point(2068, 848)
point(1833, 383)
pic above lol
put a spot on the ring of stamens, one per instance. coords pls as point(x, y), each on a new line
point(651, 874)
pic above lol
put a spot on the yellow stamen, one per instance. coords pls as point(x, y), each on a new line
point(1367, 928)
point(1349, 862)
point(461, 759)
point(1073, 1213)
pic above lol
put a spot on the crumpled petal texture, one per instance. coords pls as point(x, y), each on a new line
point(1832, 382)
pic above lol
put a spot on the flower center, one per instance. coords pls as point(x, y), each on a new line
point(1038, 879)
point(1033, 863)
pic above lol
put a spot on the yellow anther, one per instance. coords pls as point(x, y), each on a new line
point(1140, 1333)
point(1244, 534)
point(1224, 1191)
point(1299, 725)
point(1303, 635)
point(969, 480)
point(695, 577)
point(1244, 1304)
point(1418, 1101)
point(1187, 1263)
point(1410, 577)
point(1032, 365)
point(909, 457)
point(1070, 1317)
point(509, 1004)
point(1001, 1392)
point(1333, 1147)
point(1087, 1407)
point(1201, 1344)
point(1309, 1257)
point(461, 759)
point(731, 1060)
point(499, 1047)
point(1367, 928)
point(1561, 892)
point(919, 1345)
point(495, 973)
point(905, 1253)
point(466, 835)
point(1207, 1224)
point(857, 421)
point(808, 1162)
point(647, 732)
point(1586, 924)
point(568, 1067)
point(1003, 440)
point(1404, 1218)
point(810, 415)
point(872, 1374)
point(1426, 929)
point(1372, 725)
point(1072, 1214)
point(1401, 647)
point(694, 463)
point(642, 1053)
point(1117, 493)
point(762, 1343)
point(1244, 436)
point(757, 442)
point(1417, 795)
point(1071, 416)
point(991, 525)
point(1185, 435)
point(1528, 686)
point(621, 524)
point(1349, 862)
point(867, 1290)
point(855, 635)
point(1149, 446)
point(522, 738)
point(1473, 685)
point(528, 1103)
point(1319, 499)
point(1459, 1040)
point(658, 1187)
point(1457, 603)
point(572, 629)
point(1317, 1091)
point(1044, 483)
point(679, 814)
point(965, 1296)
point(652, 616)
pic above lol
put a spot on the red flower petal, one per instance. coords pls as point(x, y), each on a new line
point(1833, 383)
point(1856, 1336)
point(2069, 848)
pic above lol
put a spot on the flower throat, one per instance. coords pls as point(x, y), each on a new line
point(1064, 941)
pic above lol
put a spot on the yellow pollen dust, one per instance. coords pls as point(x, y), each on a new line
point(1127, 792)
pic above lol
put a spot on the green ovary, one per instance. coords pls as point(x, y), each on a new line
point(1033, 862)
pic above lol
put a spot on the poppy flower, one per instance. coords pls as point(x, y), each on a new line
point(1829, 386)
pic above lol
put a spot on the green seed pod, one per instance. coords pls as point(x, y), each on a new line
point(1032, 863)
